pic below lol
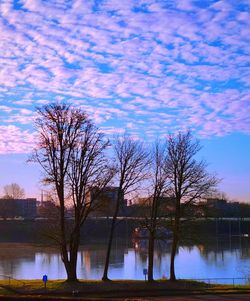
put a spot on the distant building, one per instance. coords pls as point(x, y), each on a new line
point(217, 203)
point(222, 208)
point(142, 206)
point(47, 209)
point(25, 208)
point(104, 201)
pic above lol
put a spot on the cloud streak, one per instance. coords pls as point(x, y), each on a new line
point(147, 67)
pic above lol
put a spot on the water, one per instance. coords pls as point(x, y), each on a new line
point(227, 259)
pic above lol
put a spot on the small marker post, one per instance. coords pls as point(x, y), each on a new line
point(45, 279)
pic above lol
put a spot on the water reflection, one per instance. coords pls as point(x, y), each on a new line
point(211, 260)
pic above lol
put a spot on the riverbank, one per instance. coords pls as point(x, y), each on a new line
point(112, 289)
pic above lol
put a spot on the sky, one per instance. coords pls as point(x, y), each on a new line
point(145, 67)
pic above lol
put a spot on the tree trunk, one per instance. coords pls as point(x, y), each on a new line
point(72, 262)
point(172, 260)
point(71, 271)
point(151, 256)
point(152, 232)
point(105, 272)
point(111, 235)
point(175, 243)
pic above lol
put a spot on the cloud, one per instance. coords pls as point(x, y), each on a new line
point(128, 62)
point(14, 140)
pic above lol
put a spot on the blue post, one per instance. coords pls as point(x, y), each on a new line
point(45, 279)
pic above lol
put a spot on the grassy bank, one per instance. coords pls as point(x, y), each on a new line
point(117, 288)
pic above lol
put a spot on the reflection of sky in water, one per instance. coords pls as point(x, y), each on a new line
point(190, 264)
point(127, 263)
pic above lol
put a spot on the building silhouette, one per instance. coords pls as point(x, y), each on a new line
point(26, 208)
point(104, 201)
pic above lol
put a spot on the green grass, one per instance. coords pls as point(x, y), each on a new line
point(4, 291)
point(115, 288)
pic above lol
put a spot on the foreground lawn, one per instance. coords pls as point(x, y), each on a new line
point(114, 288)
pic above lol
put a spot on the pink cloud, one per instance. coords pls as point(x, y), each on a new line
point(128, 64)
point(15, 140)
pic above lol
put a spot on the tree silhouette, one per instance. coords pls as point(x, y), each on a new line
point(70, 150)
point(188, 180)
point(159, 186)
point(13, 191)
point(131, 161)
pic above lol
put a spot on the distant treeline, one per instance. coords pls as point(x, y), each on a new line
point(193, 231)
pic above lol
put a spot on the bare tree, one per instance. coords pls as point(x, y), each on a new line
point(131, 165)
point(70, 151)
point(88, 175)
point(13, 191)
point(159, 186)
point(188, 179)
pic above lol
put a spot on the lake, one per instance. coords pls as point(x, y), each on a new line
point(221, 258)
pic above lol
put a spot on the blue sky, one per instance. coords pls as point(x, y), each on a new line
point(145, 67)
